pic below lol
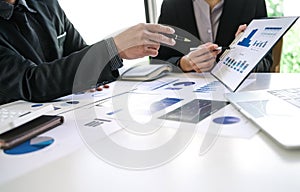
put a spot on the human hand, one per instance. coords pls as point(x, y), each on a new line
point(200, 60)
point(241, 29)
point(142, 40)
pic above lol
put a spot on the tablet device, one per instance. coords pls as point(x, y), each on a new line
point(249, 49)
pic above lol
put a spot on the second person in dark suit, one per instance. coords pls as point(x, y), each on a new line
point(204, 21)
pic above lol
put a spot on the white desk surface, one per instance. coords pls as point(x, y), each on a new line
point(231, 165)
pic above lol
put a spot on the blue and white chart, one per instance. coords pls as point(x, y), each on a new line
point(247, 51)
point(29, 146)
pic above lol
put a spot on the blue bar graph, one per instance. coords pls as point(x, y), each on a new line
point(239, 66)
point(246, 41)
point(260, 44)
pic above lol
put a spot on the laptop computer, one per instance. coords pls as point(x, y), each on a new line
point(276, 112)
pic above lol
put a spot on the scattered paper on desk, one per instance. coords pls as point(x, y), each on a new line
point(152, 86)
point(66, 141)
point(233, 124)
point(202, 87)
point(139, 108)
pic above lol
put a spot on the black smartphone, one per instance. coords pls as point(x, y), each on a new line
point(29, 130)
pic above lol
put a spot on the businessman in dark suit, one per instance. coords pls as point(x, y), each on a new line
point(43, 57)
point(227, 16)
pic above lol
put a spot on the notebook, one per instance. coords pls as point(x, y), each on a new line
point(276, 112)
point(248, 49)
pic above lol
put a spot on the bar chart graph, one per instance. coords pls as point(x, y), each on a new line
point(246, 41)
point(260, 44)
point(237, 65)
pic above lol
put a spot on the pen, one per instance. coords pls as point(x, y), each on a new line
point(177, 37)
point(217, 49)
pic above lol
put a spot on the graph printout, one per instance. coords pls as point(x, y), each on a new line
point(247, 51)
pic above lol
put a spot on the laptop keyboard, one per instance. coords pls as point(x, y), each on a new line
point(291, 95)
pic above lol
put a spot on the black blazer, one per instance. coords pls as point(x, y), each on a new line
point(24, 75)
point(180, 14)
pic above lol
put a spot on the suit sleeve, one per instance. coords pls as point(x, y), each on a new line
point(74, 40)
point(80, 67)
point(23, 79)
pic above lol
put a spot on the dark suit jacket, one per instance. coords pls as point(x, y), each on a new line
point(24, 75)
point(180, 13)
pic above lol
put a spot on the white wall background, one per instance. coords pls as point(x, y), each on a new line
point(291, 7)
point(98, 19)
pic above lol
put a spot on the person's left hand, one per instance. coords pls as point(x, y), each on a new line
point(143, 40)
point(241, 29)
point(200, 60)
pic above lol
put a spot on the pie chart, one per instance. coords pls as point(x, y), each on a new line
point(226, 120)
point(184, 83)
point(29, 146)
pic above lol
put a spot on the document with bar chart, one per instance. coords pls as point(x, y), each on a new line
point(249, 49)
